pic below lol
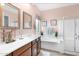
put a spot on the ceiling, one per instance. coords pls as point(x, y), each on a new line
point(47, 6)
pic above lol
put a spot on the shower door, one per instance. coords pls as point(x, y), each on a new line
point(69, 32)
point(77, 36)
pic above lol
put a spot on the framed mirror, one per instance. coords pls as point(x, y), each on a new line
point(27, 21)
point(11, 16)
point(44, 23)
point(53, 22)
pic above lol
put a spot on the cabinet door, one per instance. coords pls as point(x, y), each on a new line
point(26, 53)
point(77, 36)
point(69, 32)
point(22, 50)
point(34, 49)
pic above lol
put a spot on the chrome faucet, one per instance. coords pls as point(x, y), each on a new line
point(21, 35)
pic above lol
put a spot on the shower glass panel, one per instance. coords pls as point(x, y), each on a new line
point(37, 25)
point(60, 28)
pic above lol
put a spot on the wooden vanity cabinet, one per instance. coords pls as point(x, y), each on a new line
point(30, 49)
point(23, 51)
point(26, 52)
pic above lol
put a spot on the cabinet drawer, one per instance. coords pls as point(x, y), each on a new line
point(26, 53)
point(21, 50)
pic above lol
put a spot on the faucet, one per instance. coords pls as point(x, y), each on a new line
point(21, 36)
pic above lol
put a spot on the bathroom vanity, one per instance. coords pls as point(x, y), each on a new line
point(25, 47)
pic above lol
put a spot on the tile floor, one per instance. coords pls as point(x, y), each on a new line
point(51, 53)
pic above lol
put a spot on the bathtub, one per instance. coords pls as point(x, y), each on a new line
point(48, 38)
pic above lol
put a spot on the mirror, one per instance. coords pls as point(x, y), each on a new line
point(27, 21)
point(11, 16)
point(53, 22)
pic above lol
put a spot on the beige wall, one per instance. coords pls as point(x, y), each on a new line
point(67, 11)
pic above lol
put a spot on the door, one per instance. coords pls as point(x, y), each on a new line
point(69, 34)
point(34, 49)
point(77, 36)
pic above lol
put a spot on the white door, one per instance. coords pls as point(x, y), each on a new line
point(77, 36)
point(69, 34)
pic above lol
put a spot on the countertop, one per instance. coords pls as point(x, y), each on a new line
point(5, 49)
